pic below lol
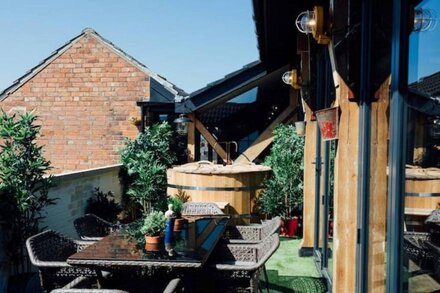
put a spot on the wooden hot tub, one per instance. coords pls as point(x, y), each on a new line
point(238, 185)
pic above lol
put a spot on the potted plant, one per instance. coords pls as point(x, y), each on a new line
point(177, 206)
point(152, 227)
point(284, 189)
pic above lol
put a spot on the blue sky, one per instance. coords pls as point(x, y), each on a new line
point(424, 49)
point(191, 42)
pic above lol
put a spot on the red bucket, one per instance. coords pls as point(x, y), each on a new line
point(328, 122)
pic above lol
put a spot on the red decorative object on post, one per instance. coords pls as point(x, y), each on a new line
point(328, 122)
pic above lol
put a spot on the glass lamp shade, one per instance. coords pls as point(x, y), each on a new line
point(182, 124)
point(424, 20)
point(306, 22)
point(287, 77)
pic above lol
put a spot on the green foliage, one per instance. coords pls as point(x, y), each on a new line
point(146, 160)
point(151, 225)
point(24, 184)
point(133, 232)
point(154, 224)
point(103, 205)
point(284, 189)
point(177, 204)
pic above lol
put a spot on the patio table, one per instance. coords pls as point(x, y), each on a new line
point(116, 251)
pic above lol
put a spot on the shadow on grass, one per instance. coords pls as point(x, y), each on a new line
point(294, 283)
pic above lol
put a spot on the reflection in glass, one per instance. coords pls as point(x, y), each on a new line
point(423, 153)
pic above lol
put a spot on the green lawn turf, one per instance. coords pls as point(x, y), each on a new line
point(287, 272)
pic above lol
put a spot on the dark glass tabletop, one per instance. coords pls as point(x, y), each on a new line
point(118, 250)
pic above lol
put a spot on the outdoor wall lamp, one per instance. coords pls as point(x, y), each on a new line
point(182, 124)
point(291, 78)
point(312, 22)
point(424, 20)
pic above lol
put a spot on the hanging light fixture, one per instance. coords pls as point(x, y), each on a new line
point(182, 124)
point(424, 20)
point(312, 22)
point(291, 78)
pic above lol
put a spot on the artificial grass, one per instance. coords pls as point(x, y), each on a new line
point(287, 272)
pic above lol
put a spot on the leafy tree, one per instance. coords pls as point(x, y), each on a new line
point(146, 160)
point(24, 184)
point(284, 189)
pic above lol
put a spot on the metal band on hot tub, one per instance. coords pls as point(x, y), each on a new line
point(423, 194)
point(209, 188)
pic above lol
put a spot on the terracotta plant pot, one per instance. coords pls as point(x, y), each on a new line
point(153, 243)
point(180, 224)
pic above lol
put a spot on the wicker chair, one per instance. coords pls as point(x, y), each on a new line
point(92, 227)
point(83, 285)
point(239, 265)
point(48, 251)
point(252, 233)
point(414, 245)
point(200, 209)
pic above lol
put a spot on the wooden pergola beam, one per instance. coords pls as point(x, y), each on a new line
point(210, 138)
point(264, 140)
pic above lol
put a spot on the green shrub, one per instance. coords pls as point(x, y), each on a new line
point(24, 183)
point(153, 224)
point(177, 204)
point(103, 205)
point(146, 160)
point(284, 189)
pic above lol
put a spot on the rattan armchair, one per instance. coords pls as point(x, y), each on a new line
point(253, 233)
point(84, 285)
point(92, 227)
point(415, 247)
point(240, 265)
point(48, 251)
point(201, 209)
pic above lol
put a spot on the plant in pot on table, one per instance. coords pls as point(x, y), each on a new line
point(177, 206)
point(152, 228)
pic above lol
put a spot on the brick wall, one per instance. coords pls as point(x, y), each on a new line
point(85, 99)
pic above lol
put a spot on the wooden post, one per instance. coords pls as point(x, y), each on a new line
point(345, 199)
point(306, 246)
point(191, 147)
point(378, 189)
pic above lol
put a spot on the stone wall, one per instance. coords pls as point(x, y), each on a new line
point(73, 190)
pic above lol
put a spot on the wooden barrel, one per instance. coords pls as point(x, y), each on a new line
point(422, 189)
point(237, 185)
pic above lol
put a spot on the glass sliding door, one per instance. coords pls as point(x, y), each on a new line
point(421, 245)
point(414, 222)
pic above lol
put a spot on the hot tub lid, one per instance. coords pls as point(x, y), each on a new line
point(206, 167)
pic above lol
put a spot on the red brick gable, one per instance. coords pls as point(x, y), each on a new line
point(85, 98)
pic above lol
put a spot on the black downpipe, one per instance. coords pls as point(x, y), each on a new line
point(319, 98)
point(326, 174)
point(317, 190)
point(397, 153)
point(326, 204)
point(363, 183)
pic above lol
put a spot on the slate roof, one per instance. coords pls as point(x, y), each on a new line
point(425, 94)
point(176, 91)
point(429, 85)
point(219, 113)
point(222, 89)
